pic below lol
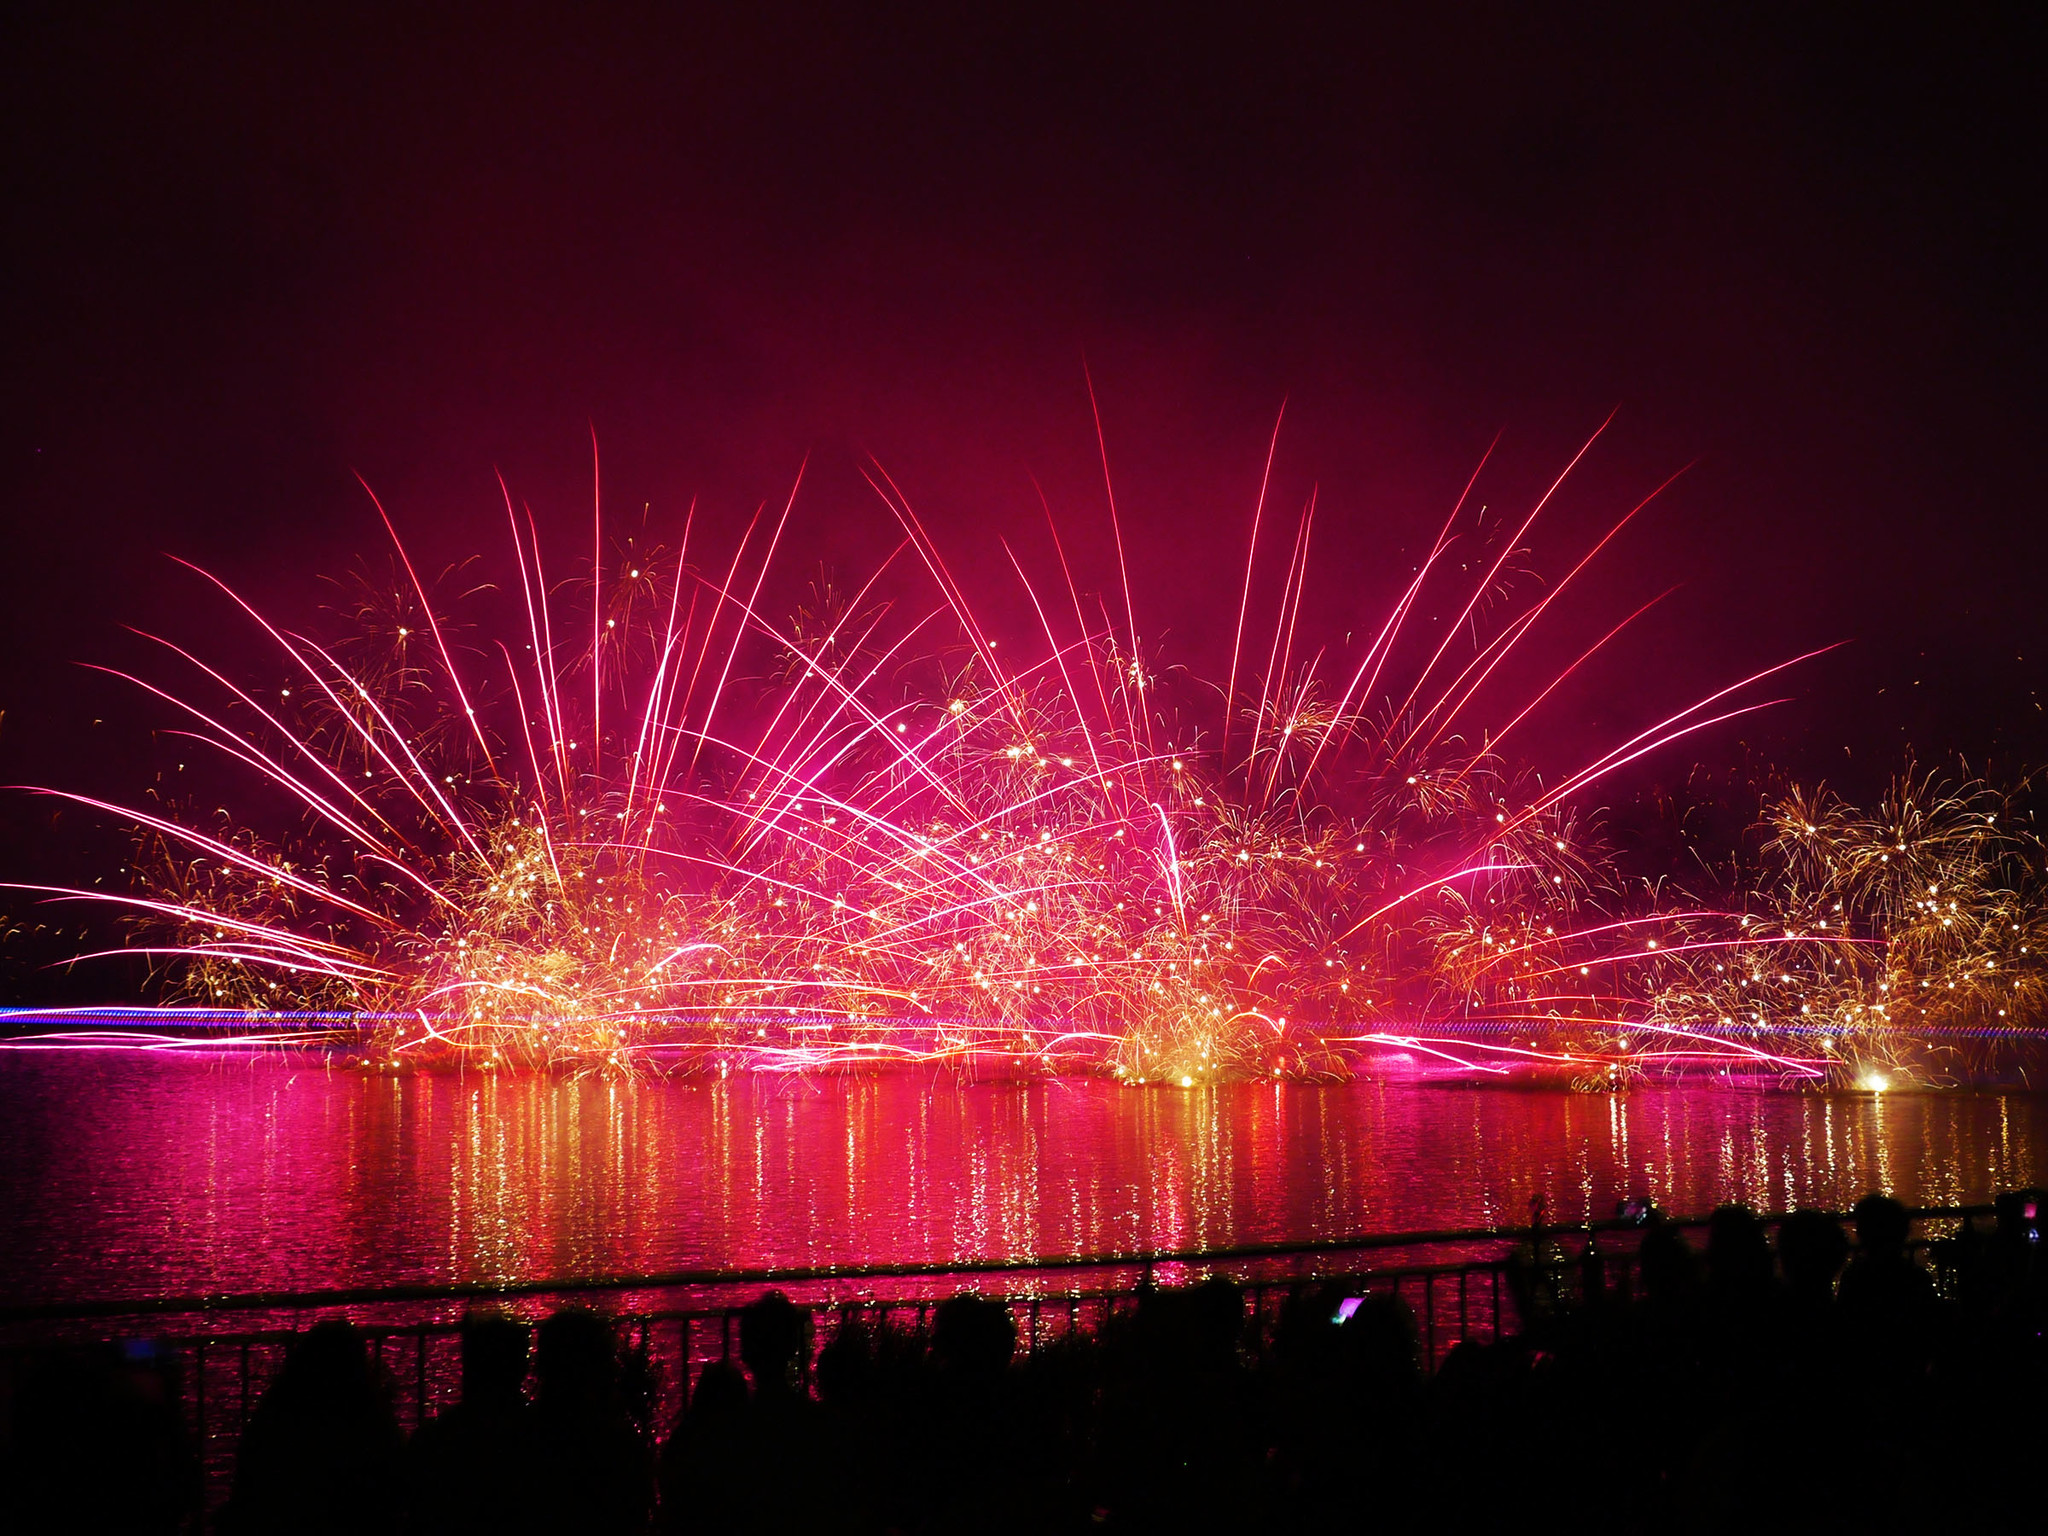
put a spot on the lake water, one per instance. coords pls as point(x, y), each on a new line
point(127, 1174)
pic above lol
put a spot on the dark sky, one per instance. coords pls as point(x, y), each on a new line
point(250, 251)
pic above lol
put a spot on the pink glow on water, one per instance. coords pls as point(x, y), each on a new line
point(130, 1174)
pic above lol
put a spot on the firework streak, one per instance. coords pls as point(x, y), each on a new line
point(662, 826)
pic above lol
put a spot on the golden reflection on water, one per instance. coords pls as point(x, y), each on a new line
point(137, 1175)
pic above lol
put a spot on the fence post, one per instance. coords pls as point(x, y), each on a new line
point(1429, 1315)
point(199, 1395)
point(683, 1367)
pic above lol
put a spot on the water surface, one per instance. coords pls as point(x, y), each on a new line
point(127, 1174)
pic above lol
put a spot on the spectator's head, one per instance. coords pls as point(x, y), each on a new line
point(1218, 1318)
point(493, 1358)
point(1882, 1226)
point(1380, 1342)
point(1668, 1269)
point(973, 1338)
point(577, 1359)
point(1738, 1253)
point(1813, 1248)
point(774, 1334)
point(327, 1365)
point(1307, 1319)
point(846, 1364)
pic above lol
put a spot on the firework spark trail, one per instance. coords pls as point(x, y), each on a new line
point(1446, 713)
point(898, 846)
point(1486, 583)
point(1251, 556)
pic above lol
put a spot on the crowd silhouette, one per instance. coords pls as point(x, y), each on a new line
point(1809, 1385)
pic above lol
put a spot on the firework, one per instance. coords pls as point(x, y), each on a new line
point(663, 825)
point(1898, 943)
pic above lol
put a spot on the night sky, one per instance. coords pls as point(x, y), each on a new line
point(249, 253)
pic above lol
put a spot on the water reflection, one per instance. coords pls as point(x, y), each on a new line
point(130, 1175)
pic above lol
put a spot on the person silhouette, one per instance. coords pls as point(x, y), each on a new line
point(1812, 1248)
point(973, 1482)
point(97, 1443)
point(1738, 1255)
point(1884, 1295)
point(592, 1468)
point(853, 1418)
point(322, 1450)
point(780, 1455)
point(471, 1468)
point(699, 1487)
